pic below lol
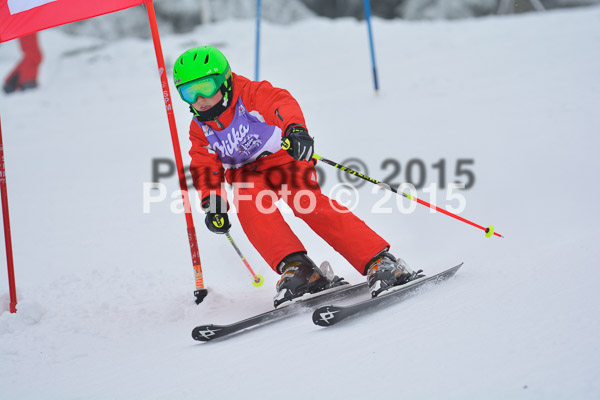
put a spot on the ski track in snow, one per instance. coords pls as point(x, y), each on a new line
point(106, 306)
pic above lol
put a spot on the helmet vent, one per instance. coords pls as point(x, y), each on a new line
point(206, 59)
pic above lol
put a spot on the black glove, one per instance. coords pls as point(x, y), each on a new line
point(298, 143)
point(217, 223)
point(216, 219)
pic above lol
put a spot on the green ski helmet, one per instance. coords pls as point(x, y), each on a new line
point(202, 72)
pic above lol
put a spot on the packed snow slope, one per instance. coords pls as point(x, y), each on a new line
point(106, 305)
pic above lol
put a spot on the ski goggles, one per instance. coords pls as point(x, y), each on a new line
point(205, 87)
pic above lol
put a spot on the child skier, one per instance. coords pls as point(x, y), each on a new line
point(237, 133)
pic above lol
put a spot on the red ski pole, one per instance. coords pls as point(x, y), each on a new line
point(257, 280)
point(489, 231)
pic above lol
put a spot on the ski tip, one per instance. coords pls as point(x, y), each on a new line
point(326, 315)
point(453, 270)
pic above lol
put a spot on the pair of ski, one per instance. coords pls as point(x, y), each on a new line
point(327, 315)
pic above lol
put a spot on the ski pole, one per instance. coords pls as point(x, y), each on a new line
point(489, 231)
point(257, 280)
point(201, 291)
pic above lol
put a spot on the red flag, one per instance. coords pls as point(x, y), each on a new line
point(23, 17)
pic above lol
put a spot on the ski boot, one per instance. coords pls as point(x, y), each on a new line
point(300, 276)
point(385, 272)
point(12, 84)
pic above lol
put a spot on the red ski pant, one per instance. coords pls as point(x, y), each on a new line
point(255, 194)
point(27, 68)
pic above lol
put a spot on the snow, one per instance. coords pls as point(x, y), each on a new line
point(106, 305)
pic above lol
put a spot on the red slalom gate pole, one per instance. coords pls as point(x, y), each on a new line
point(7, 237)
point(200, 291)
point(489, 231)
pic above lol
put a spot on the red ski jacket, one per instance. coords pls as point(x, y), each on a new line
point(275, 105)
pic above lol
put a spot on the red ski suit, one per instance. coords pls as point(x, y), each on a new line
point(258, 184)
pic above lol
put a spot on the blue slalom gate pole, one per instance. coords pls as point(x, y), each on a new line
point(257, 55)
point(368, 18)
